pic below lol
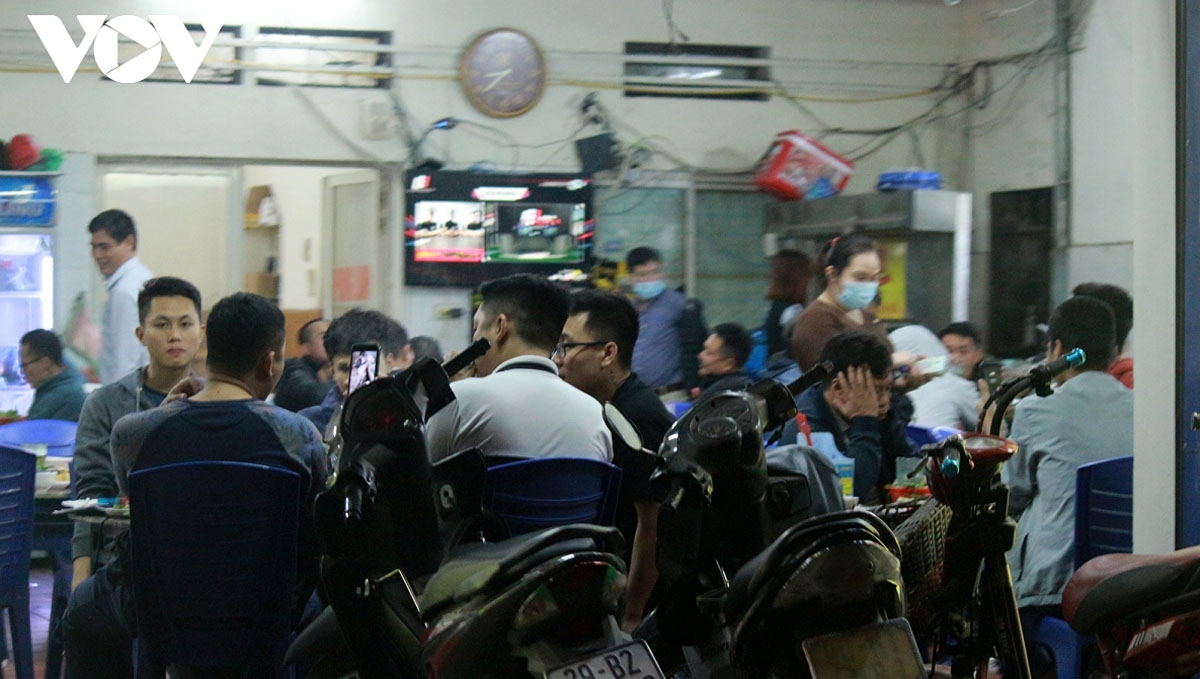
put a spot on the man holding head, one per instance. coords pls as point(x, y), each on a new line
point(58, 388)
point(516, 405)
point(593, 355)
point(854, 403)
point(354, 327)
point(114, 248)
point(305, 380)
point(1089, 417)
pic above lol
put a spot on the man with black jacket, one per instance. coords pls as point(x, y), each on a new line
point(856, 405)
point(593, 356)
point(305, 378)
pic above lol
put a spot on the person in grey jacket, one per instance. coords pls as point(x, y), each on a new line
point(1088, 418)
point(170, 329)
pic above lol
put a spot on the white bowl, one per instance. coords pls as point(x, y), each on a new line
point(45, 479)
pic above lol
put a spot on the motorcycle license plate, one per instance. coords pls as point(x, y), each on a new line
point(633, 660)
point(885, 650)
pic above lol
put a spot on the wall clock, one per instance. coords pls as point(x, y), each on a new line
point(503, 73)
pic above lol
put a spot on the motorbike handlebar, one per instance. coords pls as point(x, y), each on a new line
point(467, 357)
point(1038, 378)
point(815, 374)
point(353, 510)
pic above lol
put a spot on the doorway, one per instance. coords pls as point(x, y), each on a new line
point(1020, 262)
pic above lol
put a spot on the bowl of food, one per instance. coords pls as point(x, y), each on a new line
point(45, 479)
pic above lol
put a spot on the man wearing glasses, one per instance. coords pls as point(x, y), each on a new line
point(855, 405)
point(517, 406)
point(594, 356)
point(58, 388)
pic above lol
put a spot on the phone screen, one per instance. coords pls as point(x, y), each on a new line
point(364, 365)
point(993, 374)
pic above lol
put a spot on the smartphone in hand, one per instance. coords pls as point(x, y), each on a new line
point(992, 372)
point(364, 364)
point(934, 365)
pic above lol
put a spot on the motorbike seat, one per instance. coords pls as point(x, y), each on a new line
point(1112, 586)
point(797, 544)
point(484, 566)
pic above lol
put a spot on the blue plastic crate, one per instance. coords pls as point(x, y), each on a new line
point(912, 180)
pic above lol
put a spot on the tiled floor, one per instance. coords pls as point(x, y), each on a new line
point(41, 583)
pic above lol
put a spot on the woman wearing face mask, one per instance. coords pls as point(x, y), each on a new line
point(852, 270)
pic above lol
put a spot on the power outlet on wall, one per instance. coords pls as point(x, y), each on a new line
point(376, 119)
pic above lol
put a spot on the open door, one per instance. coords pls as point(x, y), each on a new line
point(353, 257)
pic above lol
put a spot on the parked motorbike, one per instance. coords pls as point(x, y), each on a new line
point(390, 522)
point(975, 607)
point(1143, 609)
point(824, 598)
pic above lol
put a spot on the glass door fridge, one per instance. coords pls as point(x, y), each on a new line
point(27, 217)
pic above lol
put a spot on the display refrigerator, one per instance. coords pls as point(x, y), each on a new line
point(27, 220)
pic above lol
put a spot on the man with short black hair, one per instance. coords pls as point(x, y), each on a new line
point(1121, 304)
point(114, 248)
point(355, 327)
point(516, 405)
point(302, 384)
point(593, 355)
point(723, 359)
point(961, 339)
point(1089, 417)
point(854, 403)
point(58, 388)
point(671, 331)
point(170, 329)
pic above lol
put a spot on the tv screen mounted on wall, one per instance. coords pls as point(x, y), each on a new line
point(464, 228)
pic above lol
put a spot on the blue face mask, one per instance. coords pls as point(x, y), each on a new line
point(857, 295)
point(649, 289)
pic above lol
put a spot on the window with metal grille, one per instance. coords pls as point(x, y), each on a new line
point(688, 70)
point(220, 65)
point(322, 58)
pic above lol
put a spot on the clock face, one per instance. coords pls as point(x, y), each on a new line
point(503, 73)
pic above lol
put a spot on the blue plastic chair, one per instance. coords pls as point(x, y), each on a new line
point(529, 495)
point(59, 548)
point(17, 471)
point(58, 435)
point(214, 552)
point(925, 435)
point(1103, 525)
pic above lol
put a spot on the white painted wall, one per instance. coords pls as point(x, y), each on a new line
point(836, 47)
point(1152, 129)
point(182, 221)
point(298, 198)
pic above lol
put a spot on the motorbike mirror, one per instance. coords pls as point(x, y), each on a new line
point(621, 427)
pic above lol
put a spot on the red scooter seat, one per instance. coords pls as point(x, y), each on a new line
point(1112, 586)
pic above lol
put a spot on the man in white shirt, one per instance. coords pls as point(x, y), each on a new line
point(114, 247)
point(516, 405)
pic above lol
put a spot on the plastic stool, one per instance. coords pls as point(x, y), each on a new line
point(1066, 645)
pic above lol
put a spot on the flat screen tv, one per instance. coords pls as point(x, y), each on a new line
point(466, 228)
